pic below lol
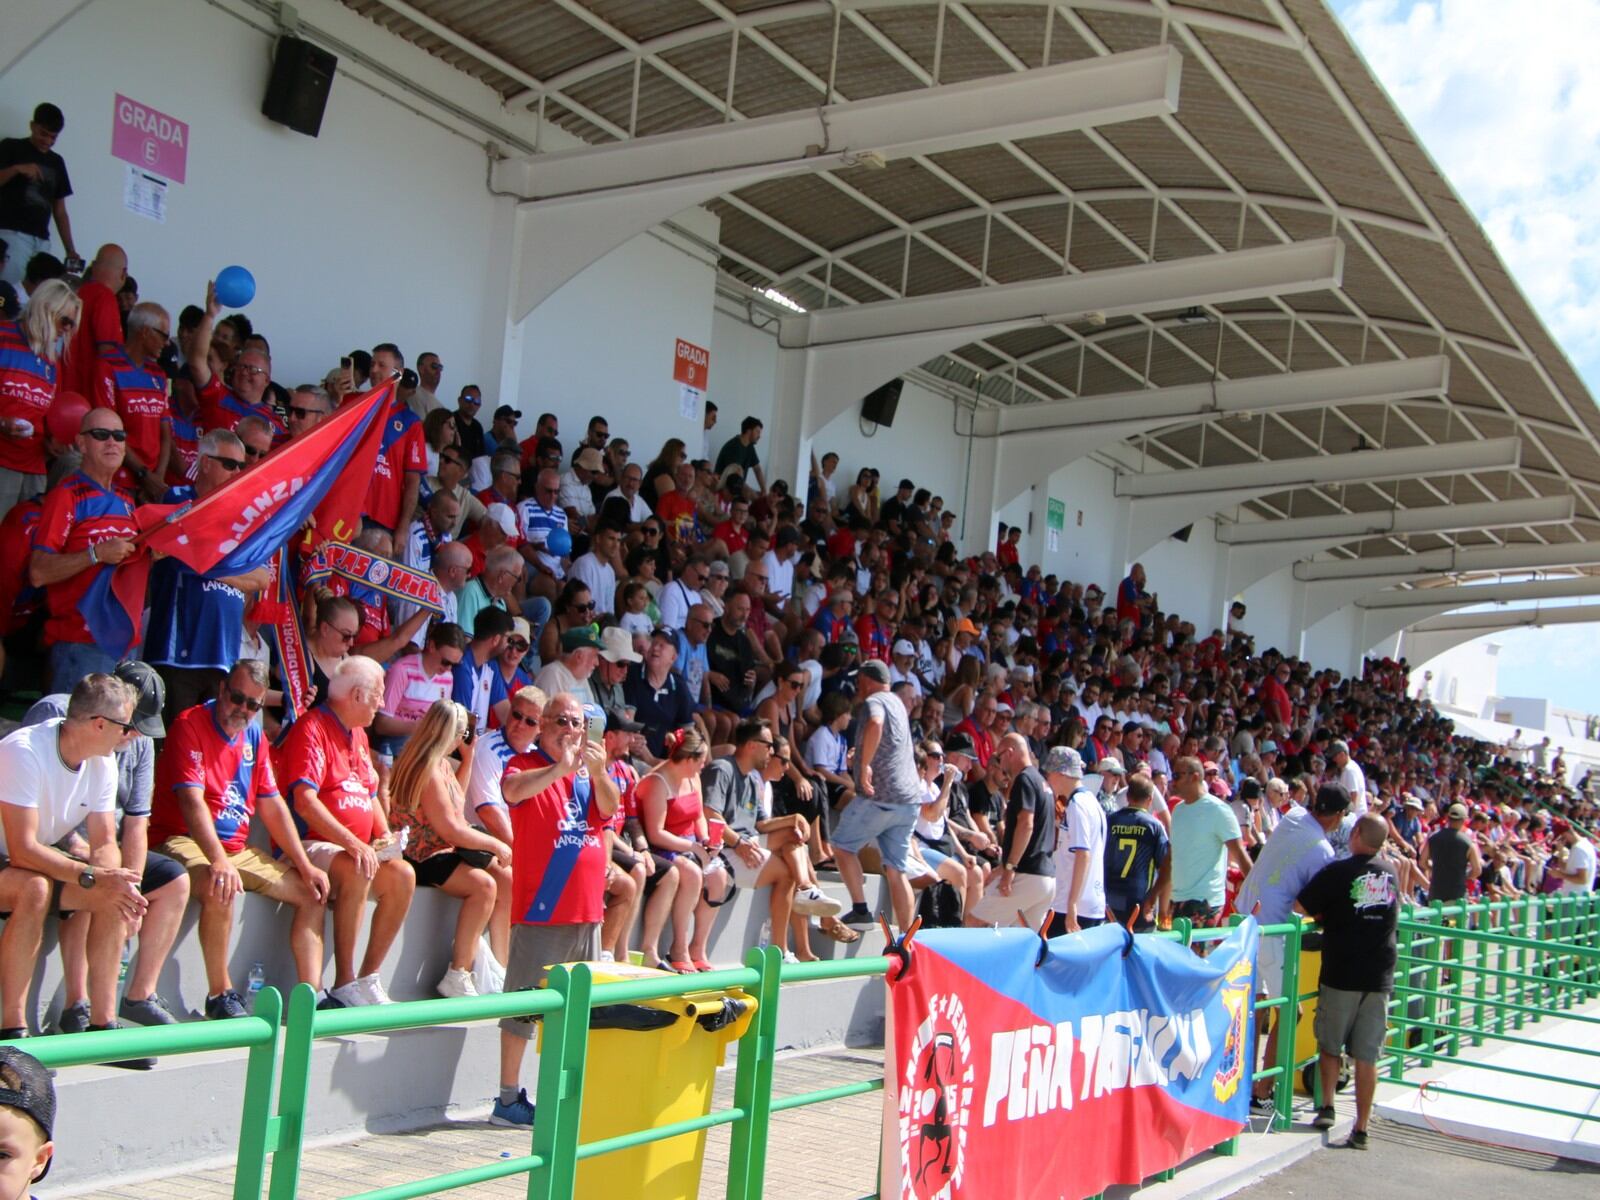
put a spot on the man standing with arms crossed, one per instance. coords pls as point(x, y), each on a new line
point(1356, 900)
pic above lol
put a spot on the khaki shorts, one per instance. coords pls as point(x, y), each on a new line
point(1354, 1021)
point(257, 871)
point(1031, 895)
point(537, 948)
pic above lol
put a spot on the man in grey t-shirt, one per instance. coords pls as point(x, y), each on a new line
point(888, 797)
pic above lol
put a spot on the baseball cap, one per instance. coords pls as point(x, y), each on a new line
point(505, 411)
point(589, 459)
point(581, 636)
point(873, 668)
point(34, 1094)
point(1269, 747)
point(616, 645)
point(1331, 798)
point(903, 648)
point(1559, 826)
point(520, 628)
point(965, 626)
point(502, 516)
point(1109, 766)
point(1413, 802)
point(1458, 812)
point(666, 633)
point(152, 696)
point(959, 743)
point(1060, 760)
point(618, 721)
point(1003, 709)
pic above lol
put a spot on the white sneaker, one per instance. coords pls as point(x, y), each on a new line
point(351, 995)
point(789, 957)
point(607, 957)
point(457, 981)
point(372, 990)
point(811, 902)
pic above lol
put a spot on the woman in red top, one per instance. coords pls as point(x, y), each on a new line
point(427, 795)
point(674, 822)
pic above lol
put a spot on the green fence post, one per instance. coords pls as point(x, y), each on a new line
point(752, 1082)
point(255, 1120)
point(1458, 986)
point(1288, 1028)
point(562, 1055)
point(298, 1039)
point(1431, 979)
point(1402, 998)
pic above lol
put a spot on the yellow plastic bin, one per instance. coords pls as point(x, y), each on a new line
point(1305, 1034)
point(650, 1064)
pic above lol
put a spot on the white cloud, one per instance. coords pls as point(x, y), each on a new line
point(1506, 100)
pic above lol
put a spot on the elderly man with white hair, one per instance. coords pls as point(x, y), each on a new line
point(326, 764)
point(502, 568)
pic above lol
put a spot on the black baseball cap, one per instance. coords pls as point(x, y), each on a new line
point(618, 721)
point(33, 1095)
point(152, 693)
point(506, 411)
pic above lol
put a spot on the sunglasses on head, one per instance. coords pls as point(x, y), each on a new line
point(106, 435)
point(243, 701)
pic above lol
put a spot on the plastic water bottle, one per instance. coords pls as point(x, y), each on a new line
point(122, 971)
point(766, 934)
point(258, 980)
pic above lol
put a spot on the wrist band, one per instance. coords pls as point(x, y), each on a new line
point(94, 558)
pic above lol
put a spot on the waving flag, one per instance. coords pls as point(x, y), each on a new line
point(1113, 1059)
point(320, 477)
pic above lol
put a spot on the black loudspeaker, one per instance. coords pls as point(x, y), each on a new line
point(1182, 535)
point(297, 93)
point(879, 405)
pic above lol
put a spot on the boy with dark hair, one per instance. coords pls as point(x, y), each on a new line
point(27, 1120)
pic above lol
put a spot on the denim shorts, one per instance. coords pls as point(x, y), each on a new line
point(888, 826)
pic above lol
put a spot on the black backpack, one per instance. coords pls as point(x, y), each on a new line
point(939, 906)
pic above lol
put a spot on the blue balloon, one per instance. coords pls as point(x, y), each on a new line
point(236, 287)
point(559, 543)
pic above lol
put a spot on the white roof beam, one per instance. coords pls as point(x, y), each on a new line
point(1121, 291)
point(1508, 618)
point(1348, 527)
point(1453, 561)
point(1066, 97)
point(1467, 595)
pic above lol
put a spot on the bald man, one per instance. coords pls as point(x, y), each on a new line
point(101, 320)
point(1021, 891)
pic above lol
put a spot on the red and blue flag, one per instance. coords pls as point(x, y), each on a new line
point(1112, 1059)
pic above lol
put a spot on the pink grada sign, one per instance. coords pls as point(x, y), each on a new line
point(150, 139)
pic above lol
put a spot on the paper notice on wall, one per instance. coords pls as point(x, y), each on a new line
point(1053, 539)
point(689, 401)
point(144, 194)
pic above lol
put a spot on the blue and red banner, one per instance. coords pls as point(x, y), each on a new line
point(1113, 1059)
point(320, 477)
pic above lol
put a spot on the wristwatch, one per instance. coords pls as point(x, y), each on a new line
point(86, 878)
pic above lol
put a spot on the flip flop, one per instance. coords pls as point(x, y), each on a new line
point(839, 931)
point(826, 864)
point(701, 964)
point(663, 965)
point(682, 966)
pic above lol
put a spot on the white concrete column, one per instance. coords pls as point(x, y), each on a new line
point(976, 520)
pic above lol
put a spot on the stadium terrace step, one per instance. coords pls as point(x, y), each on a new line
point(122, 1125)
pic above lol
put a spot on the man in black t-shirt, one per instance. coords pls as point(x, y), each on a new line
point(33, 191)
point(1356, 900)
point(730, 655)
point(1025, 882)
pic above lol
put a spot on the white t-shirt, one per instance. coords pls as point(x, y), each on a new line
point(489, 760)
point(30, 763)
point(1355, 783)
point(1580, 858)
point(780, 575)
point(1083, 827)
point(601, 579)
point(677, 598)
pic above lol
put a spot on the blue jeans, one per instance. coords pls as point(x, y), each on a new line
point(71, 661)
point(537, 610)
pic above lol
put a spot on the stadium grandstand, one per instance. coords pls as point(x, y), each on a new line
point(431, 426)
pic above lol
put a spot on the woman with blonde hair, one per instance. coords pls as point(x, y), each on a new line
point(30, 351)
point(674, 820)
point(427, 797)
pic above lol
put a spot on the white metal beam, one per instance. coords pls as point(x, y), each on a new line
point(1050, 100)
point(1453, 561)
point(1490, 621)
point(1204, 483)
point(1121, 291)
point(1348, 527)
point(1465, 595)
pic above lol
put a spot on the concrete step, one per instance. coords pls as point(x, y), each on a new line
point(379, 1082)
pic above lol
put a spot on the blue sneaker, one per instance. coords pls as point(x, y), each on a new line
point(519, 1113)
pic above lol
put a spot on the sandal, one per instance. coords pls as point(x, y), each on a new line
point(681, 966)
point(663, 965)
point(826, 864)
point(701, 964)
point(839, 931)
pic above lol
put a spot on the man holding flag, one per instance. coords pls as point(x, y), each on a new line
point(87, 521)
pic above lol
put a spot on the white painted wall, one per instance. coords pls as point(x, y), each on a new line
point(1268, 609)
point(1182, 575)
point(604, 342)
point(1084, 487)
point(378, 229)
point(1466, 679)
point(919, 446)
point(744, 371)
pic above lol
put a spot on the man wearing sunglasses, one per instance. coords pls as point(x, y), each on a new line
point(196, 622)
point(60, 774)
point(214, 775)
point(87, 521)
point(309, 406)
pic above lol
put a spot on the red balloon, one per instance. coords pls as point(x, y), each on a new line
point(65, 417)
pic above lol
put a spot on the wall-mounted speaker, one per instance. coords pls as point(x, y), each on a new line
point(297, 93)
point(1182, 535)
point(879, 405)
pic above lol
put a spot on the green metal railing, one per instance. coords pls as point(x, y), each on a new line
point(1526, 959)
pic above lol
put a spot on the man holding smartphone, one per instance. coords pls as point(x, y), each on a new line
point(34, 187)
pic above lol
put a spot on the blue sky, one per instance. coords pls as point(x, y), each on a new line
point(1510, 110)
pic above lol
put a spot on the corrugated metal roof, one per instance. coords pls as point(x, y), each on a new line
point(1282, 133)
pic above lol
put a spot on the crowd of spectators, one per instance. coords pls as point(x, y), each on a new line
point(646, 688)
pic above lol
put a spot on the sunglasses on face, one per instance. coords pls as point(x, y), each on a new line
point(524, 718)
point(240, 700)
point(126, 726)
point(302, 413)
point(251, 453)
point(519, 645)
point(227, 464)
point(345, 637)
point(569, 722)
point(106, 435)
